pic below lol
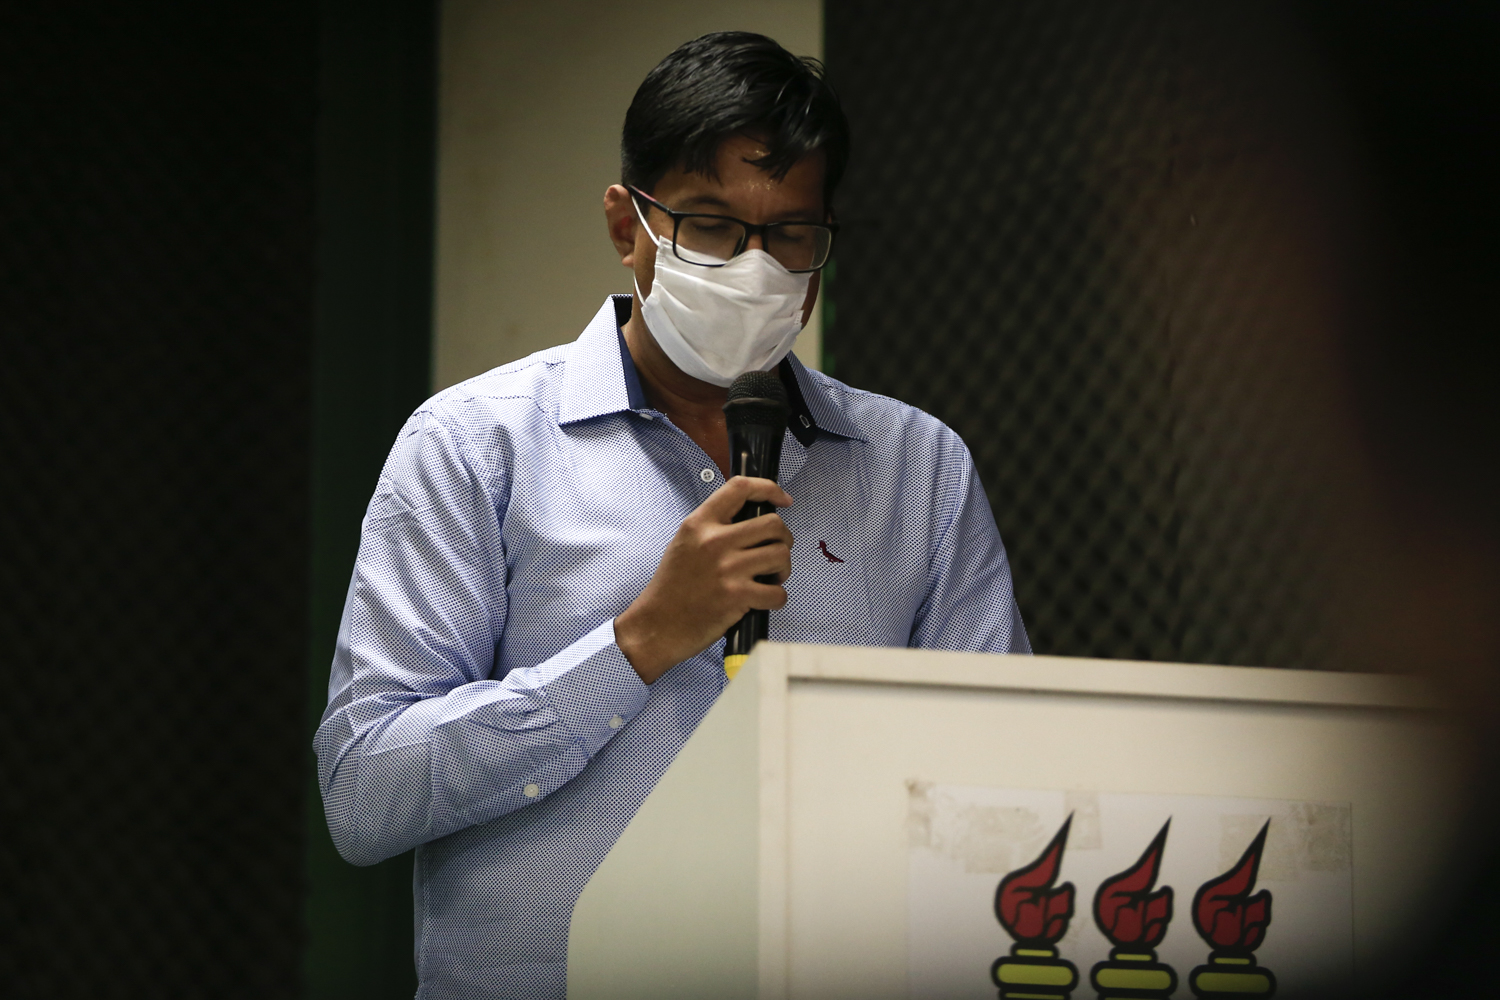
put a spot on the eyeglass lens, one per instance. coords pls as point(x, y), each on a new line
point(708, 239)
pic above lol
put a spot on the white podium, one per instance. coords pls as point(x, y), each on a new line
point(840, 822)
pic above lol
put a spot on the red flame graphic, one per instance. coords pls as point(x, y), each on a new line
point(1027, 905)
point(1228, 917)
point(1126, 909)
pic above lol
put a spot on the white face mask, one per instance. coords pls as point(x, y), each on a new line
point(717, 323)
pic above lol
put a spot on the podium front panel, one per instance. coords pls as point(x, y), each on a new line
point(843, 820)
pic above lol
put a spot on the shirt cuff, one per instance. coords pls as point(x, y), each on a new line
point(600, 693)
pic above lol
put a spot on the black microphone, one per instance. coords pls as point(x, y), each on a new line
point(756, 415)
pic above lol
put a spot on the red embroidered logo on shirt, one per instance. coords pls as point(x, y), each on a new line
point(831, 557)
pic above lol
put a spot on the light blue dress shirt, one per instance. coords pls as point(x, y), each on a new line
point(479, 709)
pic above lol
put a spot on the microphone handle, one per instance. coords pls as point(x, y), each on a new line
point(756, 624)
point(757, 454)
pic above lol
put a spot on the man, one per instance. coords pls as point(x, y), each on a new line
point(549, 561)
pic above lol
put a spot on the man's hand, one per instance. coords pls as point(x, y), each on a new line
point(705, 581)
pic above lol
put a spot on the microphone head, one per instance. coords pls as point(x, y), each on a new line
point(758, 385)
point(757, 399)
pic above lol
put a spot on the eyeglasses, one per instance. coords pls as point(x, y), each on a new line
point(713, 240)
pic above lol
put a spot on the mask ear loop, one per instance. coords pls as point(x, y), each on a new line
point(656, 240)
point(641, 298)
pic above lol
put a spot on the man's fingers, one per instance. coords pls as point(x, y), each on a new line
point(760, 561)
point(766, 596)
point(766, 490)
point(756, 531)
point(740, 490)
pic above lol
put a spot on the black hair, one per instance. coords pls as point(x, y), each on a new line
point(725, 83)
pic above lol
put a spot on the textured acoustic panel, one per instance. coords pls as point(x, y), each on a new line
point(157, 311)
point(1105, 242)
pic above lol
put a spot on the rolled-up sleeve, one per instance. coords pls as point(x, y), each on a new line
point(418, 741)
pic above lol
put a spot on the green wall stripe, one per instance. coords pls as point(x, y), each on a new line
point(371, 368)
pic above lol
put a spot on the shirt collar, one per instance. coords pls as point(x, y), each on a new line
point(633, 391)
point(814, 408)
point(600, 378)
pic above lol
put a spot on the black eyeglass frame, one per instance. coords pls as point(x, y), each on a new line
point(751, 229)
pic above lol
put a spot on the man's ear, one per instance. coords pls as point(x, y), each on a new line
point(619, 215)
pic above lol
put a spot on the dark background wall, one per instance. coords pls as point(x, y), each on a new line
point(216, 266)
point(158, 317)
point(1194, 282)
point(1209, 289)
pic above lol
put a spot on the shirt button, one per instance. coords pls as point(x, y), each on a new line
point(531, 791)
point(616, 722)
point(707, 475)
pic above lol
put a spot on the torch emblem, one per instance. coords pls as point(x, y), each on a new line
point(1036, 914)
point(1135, 919)
point(1234, 923)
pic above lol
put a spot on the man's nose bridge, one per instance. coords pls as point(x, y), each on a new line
point(755, 240)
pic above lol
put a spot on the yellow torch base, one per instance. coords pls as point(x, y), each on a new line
point(1133, 974)
point(1231, 976)
point(1034, 973)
